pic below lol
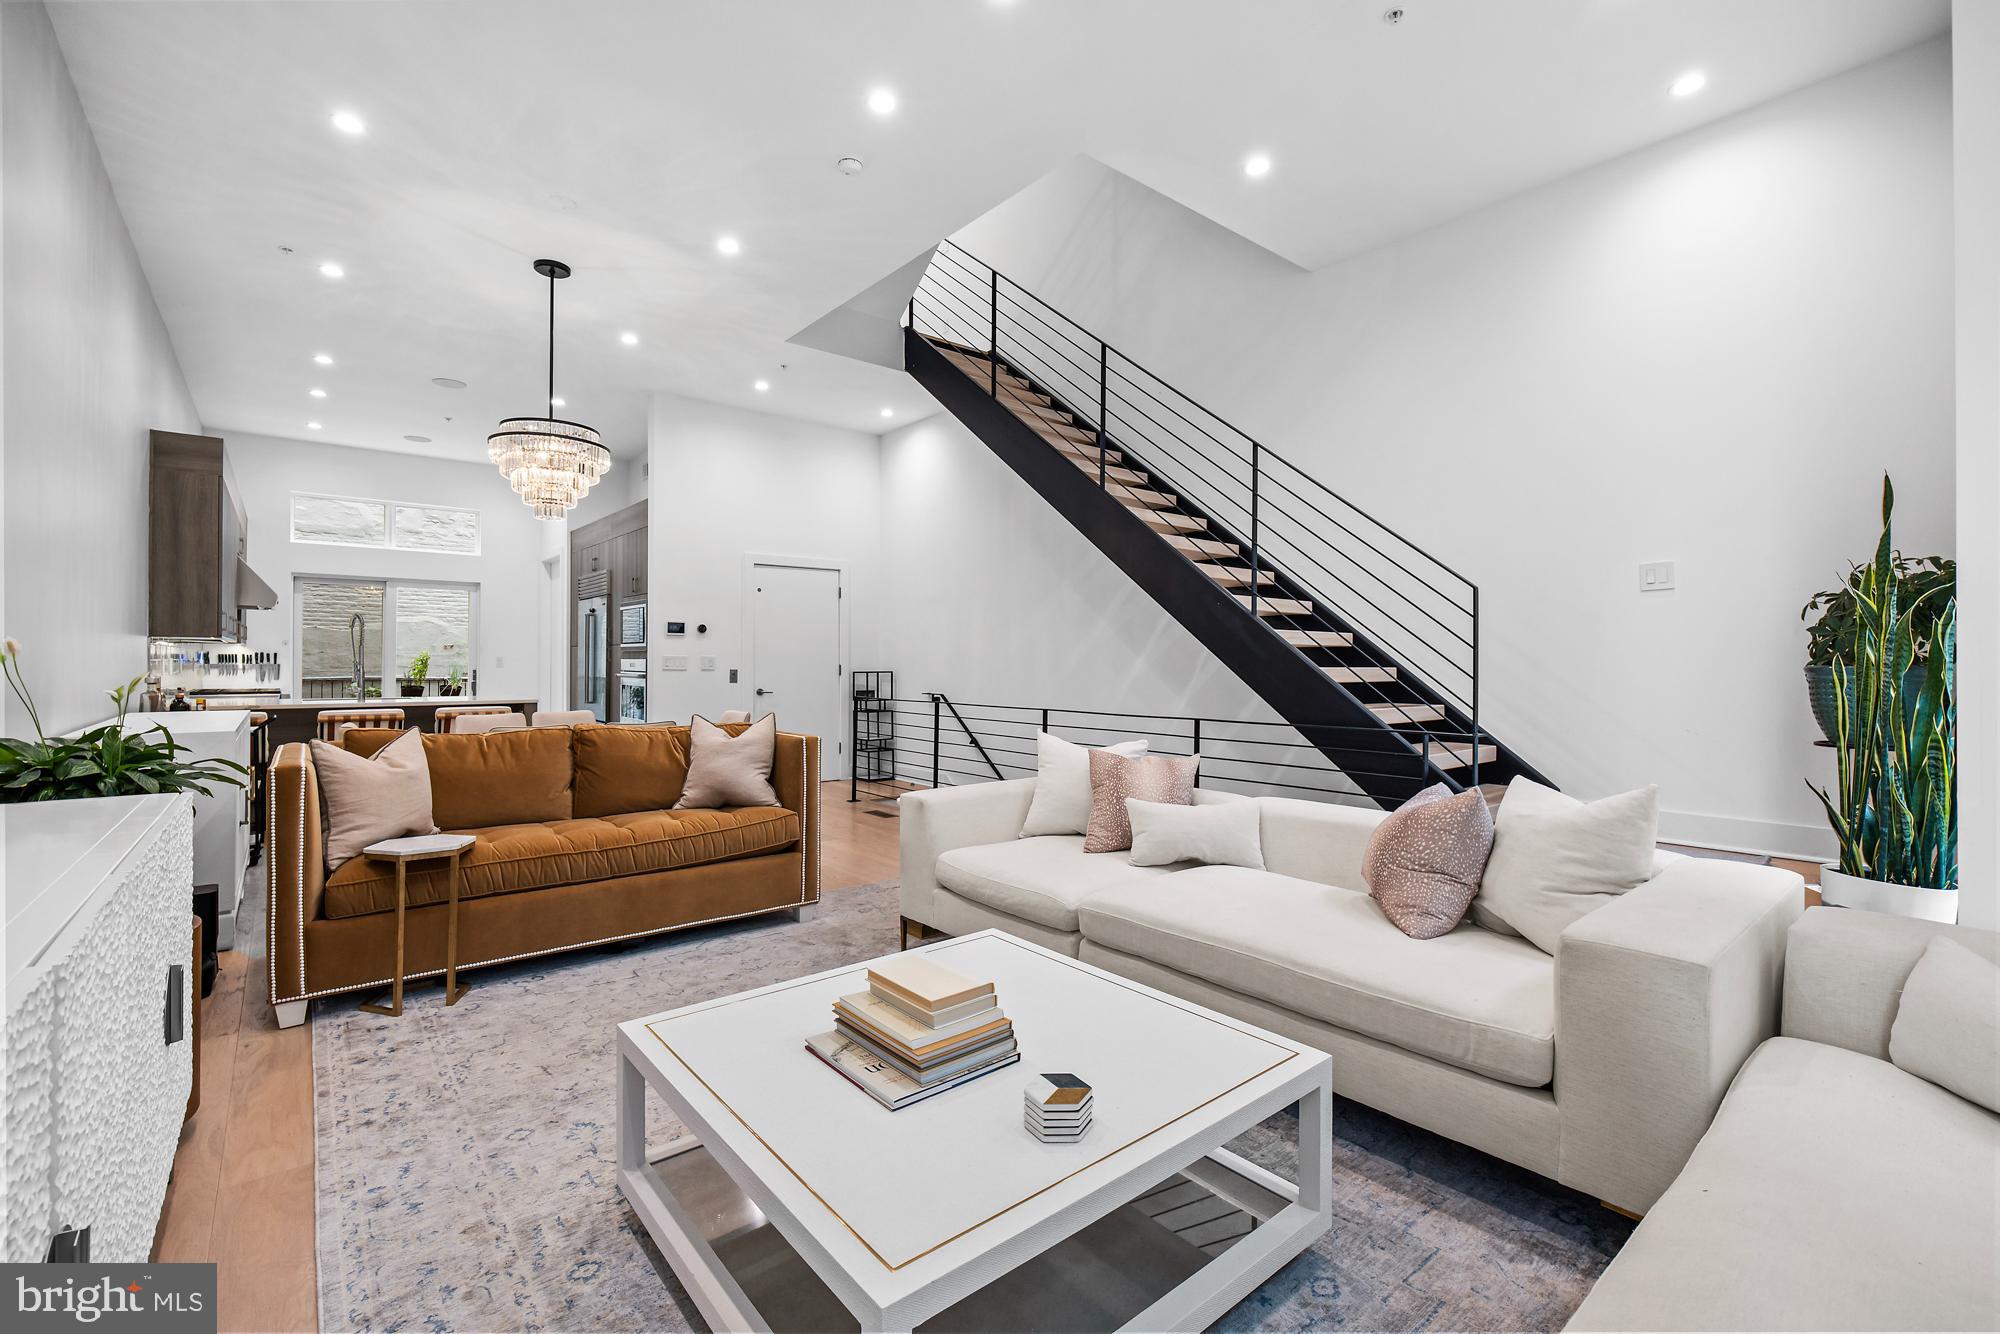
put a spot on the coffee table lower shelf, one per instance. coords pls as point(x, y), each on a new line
point(1149, 1264)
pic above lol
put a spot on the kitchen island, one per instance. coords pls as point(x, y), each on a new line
point(297, 719)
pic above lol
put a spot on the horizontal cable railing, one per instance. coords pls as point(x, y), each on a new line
point(1415, 619)
point(935, 741)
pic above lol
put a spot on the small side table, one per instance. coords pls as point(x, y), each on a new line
point(403, 851)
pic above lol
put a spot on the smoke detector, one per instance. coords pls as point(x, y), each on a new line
point(849, 166)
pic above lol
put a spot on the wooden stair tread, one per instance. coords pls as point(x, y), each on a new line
point(1203, 548)
point(1458, 754)
point(1276, 606)
point(1168, 520)
point(1402, 715)
point(1151, 499)
point(1235, 576)
point(1082, 451)
point(1317, 638)
point(1128, 476)
point(1356, 676)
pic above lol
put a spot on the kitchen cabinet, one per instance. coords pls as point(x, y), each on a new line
point(196, 582)
point(608, 582)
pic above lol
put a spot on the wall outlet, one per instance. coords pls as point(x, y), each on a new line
point(1656, 576)
point(708, 662)
point(674, 663)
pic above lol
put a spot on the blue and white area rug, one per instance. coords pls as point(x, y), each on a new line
point(467, 1164)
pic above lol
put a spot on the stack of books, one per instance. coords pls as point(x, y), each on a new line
point(919, 1029)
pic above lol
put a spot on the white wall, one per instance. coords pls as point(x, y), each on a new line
point(727, 484)
point(508, 569)
point(1976, 124)
point(88, 371)
point(1707, 352)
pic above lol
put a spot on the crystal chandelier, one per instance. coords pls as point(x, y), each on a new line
point(551, 464)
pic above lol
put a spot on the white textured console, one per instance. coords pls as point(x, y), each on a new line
point(98, 910)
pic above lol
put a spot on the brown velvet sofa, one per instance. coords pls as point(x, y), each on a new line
point(577, 845)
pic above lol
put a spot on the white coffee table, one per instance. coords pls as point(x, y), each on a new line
point(798, 1202)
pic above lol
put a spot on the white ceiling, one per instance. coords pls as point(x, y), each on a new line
point(624, 136)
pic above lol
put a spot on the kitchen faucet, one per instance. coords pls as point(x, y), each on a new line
point(357, 638)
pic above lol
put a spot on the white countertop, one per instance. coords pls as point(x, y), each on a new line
point(57, 855)
point(188, 722)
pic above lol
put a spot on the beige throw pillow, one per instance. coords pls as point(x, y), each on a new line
point(1947, 1027)
point(1424, 862)
point(1061, 804)
point(1113, 778)
point(386, 795)
point(725, 770)
point(1555, 858)
point(1222, 833)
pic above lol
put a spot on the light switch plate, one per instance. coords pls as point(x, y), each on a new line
point(708, 662)
point(1656, 576)
point(674, 663)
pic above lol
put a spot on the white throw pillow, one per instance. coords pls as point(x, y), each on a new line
point(1947, 1027)
point(1062, 784)
point(1223, 833)
point(1555, 858)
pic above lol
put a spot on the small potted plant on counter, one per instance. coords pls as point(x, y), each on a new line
point(455, 683)
point(1894, 807)
point(105, 761)
point(420, 670)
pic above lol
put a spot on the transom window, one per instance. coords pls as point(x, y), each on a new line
point(351, 521)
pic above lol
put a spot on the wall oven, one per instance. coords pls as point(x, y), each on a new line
point(632, 690)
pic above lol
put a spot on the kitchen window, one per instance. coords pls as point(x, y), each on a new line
point(350, 521)
point(400, 619)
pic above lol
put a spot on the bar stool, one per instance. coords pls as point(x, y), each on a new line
point(332, 722)
point(480, 723)
point(446, 713)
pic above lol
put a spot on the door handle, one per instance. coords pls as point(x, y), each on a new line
point(761, 691)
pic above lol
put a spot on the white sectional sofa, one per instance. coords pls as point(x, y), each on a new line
point(1599, 1067)
point(1834, 1190)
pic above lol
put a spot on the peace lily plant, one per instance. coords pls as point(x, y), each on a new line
point(105, 761)
point(1894, 804)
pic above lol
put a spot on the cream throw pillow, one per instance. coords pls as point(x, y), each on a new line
point(385, 795)
point(1061, 803)
point(725, 770)
point(1947, 1027)
point(1222, 833)
point(1555, 858)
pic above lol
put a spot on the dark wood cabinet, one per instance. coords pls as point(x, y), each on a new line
point(608, 561)
point(195, 539)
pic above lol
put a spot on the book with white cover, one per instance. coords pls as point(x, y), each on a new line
point(924, 983)
point(897, 1023)
point(944, 1016)
point(881, 1081)
point(980, 1055)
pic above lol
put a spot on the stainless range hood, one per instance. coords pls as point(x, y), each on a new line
point(251, 591)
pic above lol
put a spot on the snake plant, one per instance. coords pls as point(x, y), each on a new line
point(1894, 805)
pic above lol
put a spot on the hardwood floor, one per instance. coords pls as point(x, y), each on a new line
point(242, 1192)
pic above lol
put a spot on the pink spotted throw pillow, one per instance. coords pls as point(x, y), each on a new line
point(1424, 862)
point(1162, 778)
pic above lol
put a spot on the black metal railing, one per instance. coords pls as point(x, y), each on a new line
point(935, 741)
point(1413, 618)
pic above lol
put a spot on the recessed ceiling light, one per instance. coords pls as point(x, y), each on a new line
point(729, 245)
point(446, 382)
point(888, 412)
point(322, 359)
point(349, 123)
point(629, 339)
point(762, 386)
point(418, 439)
point(882, 101)
point(332, 270)
point(1257, 164)
point(1689, 84)
point(557, 403)
point(317, 393)
point(312, 426)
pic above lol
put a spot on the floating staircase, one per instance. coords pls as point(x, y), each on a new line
point(1363, 641)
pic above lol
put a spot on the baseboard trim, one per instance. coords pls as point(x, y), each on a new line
point(1768, 838)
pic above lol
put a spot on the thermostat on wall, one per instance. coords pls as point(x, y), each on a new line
point(677, 627)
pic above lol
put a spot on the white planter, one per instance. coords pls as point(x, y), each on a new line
point(1851, 891)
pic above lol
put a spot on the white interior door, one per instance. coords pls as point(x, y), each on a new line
point(795, 669)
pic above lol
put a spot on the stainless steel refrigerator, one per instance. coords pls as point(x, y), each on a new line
point(593, 638)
